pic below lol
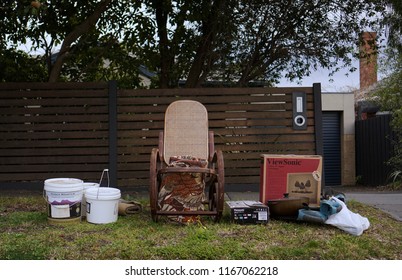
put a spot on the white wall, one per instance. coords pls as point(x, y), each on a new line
point(343, 102)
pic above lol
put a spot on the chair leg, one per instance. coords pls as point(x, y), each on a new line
point(212, 197)
point(213, 202)
point(153, 185)
point(220, 185)
point(154, 216)
point(154, 192)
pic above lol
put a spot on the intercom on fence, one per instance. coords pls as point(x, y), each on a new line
point(299, 110)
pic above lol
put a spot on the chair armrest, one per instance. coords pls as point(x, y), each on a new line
point(156, 159)
point(161, 146)
point(211, 146)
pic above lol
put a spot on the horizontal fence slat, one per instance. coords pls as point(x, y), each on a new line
point(54, 102)
point(65, 159)
point(211, 91)
point(36, 119)
point(59, 143)
point(63, 167)
point(29, 127)
point(37, 135)
point(75, 110)
point(70, 151)
point(57, 172)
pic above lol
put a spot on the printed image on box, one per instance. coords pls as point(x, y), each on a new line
point(303, 185)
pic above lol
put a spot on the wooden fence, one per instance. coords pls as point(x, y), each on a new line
point(78, 129)
point(49, 130)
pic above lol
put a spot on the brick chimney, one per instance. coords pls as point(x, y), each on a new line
point(368, 59)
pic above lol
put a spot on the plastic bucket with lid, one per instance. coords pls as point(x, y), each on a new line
point(102, 205)
point(64, 196)
point(87, 185)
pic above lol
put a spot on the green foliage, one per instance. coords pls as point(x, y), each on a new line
point(241, 41)
point(90, 44)
point(396, 180)
point(393, 20)
point(17, 66)
point(230, 41)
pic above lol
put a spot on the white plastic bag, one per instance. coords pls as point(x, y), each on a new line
point(347, 220)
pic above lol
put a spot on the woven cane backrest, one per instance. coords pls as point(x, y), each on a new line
point(186, 130)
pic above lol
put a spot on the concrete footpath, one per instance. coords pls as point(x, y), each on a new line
point(389, 202)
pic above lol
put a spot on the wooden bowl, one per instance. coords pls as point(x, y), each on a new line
point(287, 207)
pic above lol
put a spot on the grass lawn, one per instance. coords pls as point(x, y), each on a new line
point(25, 234)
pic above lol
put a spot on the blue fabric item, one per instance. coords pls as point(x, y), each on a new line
point(308, 215)
point(329, 207)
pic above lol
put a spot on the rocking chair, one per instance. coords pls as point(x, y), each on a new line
point(186, 161)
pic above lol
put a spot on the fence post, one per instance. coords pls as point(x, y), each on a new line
point(319, 146)
point(113, 132)
point(318, 119)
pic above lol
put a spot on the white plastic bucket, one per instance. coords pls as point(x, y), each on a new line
point(102, 205)
point(64, 196)
point(87, 185)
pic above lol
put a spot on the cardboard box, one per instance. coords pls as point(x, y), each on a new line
point(248, 212)
point(297, 175)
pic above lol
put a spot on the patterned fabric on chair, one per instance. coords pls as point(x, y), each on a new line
point(183, 191)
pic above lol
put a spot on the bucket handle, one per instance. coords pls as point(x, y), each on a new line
point(100, 181)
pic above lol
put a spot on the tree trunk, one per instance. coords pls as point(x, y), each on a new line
point(164, 52)
point(80, 30)
point(210, 30)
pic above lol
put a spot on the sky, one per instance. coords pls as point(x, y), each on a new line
point(342, 81)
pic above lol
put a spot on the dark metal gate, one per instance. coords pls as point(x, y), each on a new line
point(374, 147)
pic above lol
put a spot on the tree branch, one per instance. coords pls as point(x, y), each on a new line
point(78, 31)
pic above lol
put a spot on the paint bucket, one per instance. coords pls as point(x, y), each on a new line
point(64, 196)
point(87, 185)
point(102, 205)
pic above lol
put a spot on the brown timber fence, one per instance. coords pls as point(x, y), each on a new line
point(77, 129)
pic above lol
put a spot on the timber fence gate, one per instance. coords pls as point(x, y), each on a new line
point(76, 130)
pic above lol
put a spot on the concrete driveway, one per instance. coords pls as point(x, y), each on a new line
point(390, 202)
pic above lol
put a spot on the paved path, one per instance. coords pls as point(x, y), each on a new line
point(390, 203)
